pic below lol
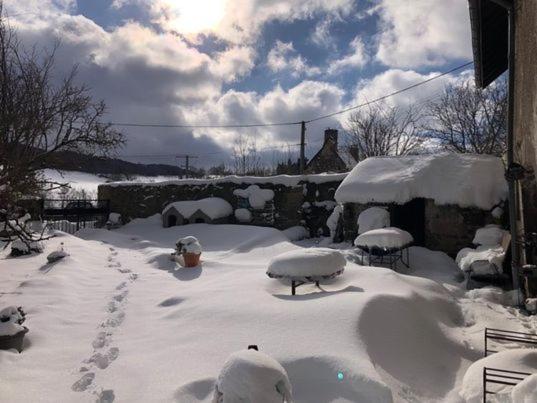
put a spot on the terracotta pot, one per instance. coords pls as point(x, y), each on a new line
point(15, 341)
point(191, 259)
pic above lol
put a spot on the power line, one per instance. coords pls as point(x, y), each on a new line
point(253, 125)
point(390, 94)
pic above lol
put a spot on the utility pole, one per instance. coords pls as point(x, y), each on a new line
point(187, 158)
point(302, 147)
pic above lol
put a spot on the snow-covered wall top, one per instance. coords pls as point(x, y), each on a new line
point(287, 180)
point(467, 180)
point(213, 207)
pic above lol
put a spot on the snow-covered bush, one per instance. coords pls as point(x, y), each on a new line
point(188, 244)
point(252, 376)
point(256, 196)
point(20, 248)
point(243, 215)
point(11, 320)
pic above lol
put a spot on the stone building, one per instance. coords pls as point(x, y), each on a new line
point(496, 51)
point(327, 158)
point(440, 199)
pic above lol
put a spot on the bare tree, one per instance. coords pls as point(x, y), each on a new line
point(40, 116)
point(383, 130)
point(246, 159)
point(467, 119)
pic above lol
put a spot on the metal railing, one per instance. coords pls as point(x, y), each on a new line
point(500, 335)
point(495, 376)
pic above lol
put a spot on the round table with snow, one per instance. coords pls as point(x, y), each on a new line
point(309, 265)
point(385, 243)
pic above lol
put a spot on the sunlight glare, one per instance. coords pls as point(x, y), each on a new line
point(194, 16)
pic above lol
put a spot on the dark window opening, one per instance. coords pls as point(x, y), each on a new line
point(200, 221)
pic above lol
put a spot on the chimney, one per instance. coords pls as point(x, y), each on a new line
point(330, 135)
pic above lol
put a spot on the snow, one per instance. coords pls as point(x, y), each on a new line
point(466, 180)
point(332, 220)
point(386, 238)
point(243, 215)
point(373, 218)
point(114, 218)
point(214, 207)
point(286, 180)
point(521, 360)
point(296, 233)
point(188, 244)
point(119, 319)
point(484, 260)
point(10, 321)
point(256, 196)
point(252, 376)
point(525, 391)
point(308, 262)
point(491, 235)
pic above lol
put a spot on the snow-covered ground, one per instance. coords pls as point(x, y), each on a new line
point(117, 319)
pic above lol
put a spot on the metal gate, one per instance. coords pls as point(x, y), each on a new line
point(73, 214)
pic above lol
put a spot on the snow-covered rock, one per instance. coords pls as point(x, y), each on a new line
point(467, 180)
point(307, 262)
point(296, 233)
point(333, 219)
point(243, 215)
point(373, 218)
point(213, 207)
point(521, 360)
point(252, 376)
point(384, 238)
point(490, 235)
point(11, 319)
point(256, 196)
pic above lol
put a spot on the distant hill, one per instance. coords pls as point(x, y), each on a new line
point(71, 161)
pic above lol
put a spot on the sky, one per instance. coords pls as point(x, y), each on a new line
point(222, 62)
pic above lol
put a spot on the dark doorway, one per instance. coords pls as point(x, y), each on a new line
point(172, 221)
point(410, 217)
point(200, 221)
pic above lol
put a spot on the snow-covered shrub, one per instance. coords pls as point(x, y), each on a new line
point(252, 376)
point(188, 244)
point(19, 248)
point(256, 196)
point(11, 320)
point(243, 215)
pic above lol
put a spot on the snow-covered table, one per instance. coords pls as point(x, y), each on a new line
point(309, 265)
point(385, 243)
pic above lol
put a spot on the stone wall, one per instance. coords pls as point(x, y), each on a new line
point(285, 210)
point(448, 228)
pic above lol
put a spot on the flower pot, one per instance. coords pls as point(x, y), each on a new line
point(14, 341)
point(191, 259)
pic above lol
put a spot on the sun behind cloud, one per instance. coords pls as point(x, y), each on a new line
point(190, 16)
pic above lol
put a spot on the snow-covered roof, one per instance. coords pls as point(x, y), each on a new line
point(467, 180)
point(214, 207)
point(287, 180)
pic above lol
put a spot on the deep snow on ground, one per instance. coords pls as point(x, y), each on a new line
point(117, 319)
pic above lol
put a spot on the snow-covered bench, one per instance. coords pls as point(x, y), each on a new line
point(385, 244)
point(486, 260)
point(307, 266)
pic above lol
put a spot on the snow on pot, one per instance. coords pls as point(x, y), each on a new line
point(190, 248)
point(252, 376)
point(11, 330)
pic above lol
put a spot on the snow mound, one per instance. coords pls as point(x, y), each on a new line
point(243, 215)
point(525, 391)
point(521, 360)
point(214, 207)
point(385, 238)
point(296, 233)
point(490, 235)
point(466, 180)
point(252, 376)
point(307, 262)
point(373, 218)
point(256, 196)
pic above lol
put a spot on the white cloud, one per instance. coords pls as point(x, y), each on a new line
point(423, 32)
point(321, 34)
point(356, 58)
point(283, 56)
